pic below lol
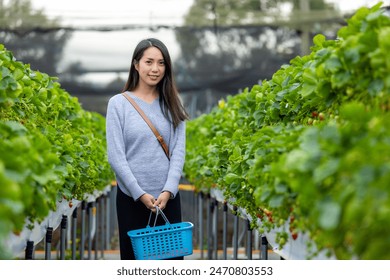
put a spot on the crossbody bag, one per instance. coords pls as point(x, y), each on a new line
point(146, 119)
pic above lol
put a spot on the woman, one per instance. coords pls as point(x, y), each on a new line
point(145, 175)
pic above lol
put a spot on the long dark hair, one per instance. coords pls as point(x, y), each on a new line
point(170, 103)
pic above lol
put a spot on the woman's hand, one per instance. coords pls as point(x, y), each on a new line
point(149, 201)
point(162, 200)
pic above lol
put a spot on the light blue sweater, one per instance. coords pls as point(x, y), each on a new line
point(135, 155)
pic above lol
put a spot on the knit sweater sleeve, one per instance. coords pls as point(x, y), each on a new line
point(177, 160)
point(116, 150)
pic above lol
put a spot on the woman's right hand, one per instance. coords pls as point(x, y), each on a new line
point(148, 200)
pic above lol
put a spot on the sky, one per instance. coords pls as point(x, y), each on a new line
point(99, 12)
point(170, 12)
point(114, 49)
point(351, 5)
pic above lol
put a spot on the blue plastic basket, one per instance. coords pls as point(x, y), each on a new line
point(162, 242)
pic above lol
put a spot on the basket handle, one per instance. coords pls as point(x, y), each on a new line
point(158, 212)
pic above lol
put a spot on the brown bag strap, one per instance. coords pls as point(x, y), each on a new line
point(156, 133)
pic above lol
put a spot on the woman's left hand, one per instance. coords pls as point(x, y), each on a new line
point(162, 200)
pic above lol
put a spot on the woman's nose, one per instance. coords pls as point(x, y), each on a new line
point(155, 67)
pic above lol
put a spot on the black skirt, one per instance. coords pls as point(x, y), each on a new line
point(134, 215)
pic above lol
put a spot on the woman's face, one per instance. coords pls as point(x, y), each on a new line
point(151, 67)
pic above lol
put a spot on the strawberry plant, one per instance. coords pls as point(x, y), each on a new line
point(310, 146)
point(50, 148)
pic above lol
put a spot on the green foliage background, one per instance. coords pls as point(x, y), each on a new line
point(50, 148)
point(311, 146)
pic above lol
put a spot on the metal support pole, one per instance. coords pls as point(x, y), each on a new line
point(48, 239)
point(97, 225)
point(249, 240)
point(224, 235)
point(63, 236)
point(29, 252)
point(74, 233)
point(82, 234)
point(264, 248)
point(256, 243)
point(209, 228)
point(89, 233)
point(215, 233)
point(108, 234)
point(201, 224)
point(102, 227)
point(235, 234)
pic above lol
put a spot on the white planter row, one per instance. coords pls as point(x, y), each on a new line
point(16, 244)
point(293, 250)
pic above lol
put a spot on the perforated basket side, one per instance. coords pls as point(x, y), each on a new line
point(162, 242)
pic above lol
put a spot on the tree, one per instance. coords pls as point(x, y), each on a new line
point(257, 12)
point(31, 35)
point(228, 45)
